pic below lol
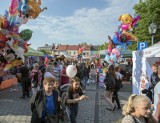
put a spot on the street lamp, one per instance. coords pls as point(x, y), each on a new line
point(152, 30)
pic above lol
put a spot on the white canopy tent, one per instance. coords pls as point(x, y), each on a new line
point(142, 61)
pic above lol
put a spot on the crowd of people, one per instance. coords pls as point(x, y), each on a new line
point(44, 83)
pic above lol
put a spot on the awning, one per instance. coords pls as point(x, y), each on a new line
point(33, 52)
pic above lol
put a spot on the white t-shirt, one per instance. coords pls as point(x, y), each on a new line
point(156, 93)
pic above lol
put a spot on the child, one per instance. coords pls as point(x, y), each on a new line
point(74, 94)
point(137, 110)
point(44, 104)
point(154, 76)
point(56, 86)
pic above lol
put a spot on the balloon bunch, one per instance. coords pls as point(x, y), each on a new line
point(122, 38)
point(79, 52)
point(13, 44)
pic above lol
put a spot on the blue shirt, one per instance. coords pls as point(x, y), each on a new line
point(49, 106)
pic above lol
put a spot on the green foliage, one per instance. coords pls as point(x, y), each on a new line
point(149, 10)
point(103, 46)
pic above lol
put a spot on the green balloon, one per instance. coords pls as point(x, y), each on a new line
point(26, 34)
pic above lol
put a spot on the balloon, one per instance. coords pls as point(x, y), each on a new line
point(113, 58)
point(121, 48)
point(35, 9)
point(24, 7)
point(71, 71)
point(5, 24)
point(116, 52)
point(26, 34)
point(13, 7)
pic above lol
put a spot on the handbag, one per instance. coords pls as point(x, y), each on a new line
point(34, 84)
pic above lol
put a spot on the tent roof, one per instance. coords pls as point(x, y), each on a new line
point(33, 52)
point(152, 51)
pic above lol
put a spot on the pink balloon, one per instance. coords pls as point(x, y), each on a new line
point(13, 8)
point(125, 26)
point(116, 52)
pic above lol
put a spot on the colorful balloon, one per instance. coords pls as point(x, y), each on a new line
point(116, 52)
point(121, 48)
point(25, 7)
point(35, 9)
point(26, 34)
point(13, 7)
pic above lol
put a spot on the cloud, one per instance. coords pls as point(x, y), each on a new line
point(90, 25)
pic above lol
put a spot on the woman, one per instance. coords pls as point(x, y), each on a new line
point(118, 86)
point(36, 77)
point(49, 72)
point(74, 94)
point(64, 77)
point(44, 104)
point(137, 110)
point(110, 82)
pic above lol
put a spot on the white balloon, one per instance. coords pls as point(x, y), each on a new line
point(71, 71)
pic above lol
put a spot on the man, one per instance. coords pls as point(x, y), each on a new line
point(154, 76)
point(25, 81)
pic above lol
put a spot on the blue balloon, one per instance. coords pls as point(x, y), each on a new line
point(113, 58)
point(19, 5)
point(122, 48)
point(117, 38)
point(24, 7)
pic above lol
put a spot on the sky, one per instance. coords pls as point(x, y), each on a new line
point(75, 21)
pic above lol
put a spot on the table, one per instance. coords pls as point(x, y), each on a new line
point(8, 83)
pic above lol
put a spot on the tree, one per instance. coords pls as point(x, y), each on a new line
point(103, 46)
point(149, 10)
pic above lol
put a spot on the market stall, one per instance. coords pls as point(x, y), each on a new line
point(142, 61)
point(33, 52)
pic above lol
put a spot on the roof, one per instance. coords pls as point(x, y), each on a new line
point(62, 47)
point(33, 52)
point(73, 47)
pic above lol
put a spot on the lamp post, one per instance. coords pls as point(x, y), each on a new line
point(152, 30)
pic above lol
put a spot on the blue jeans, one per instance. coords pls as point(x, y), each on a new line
point(72, 111)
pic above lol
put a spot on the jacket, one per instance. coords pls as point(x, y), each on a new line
point(38, 103)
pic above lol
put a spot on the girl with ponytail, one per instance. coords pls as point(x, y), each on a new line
point(137, 110)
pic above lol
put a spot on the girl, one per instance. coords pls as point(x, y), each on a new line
point(110, 81)
point(137, 110)
point(44, 104)
point(74, 94)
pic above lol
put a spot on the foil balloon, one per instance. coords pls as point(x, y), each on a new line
point(26, 34)
point(13, 7)
point(116, 52)
point(121, 48)
point(34, 8)
point(24, 7)
point(113, 58)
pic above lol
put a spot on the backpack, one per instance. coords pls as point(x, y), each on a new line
point(110, 82)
